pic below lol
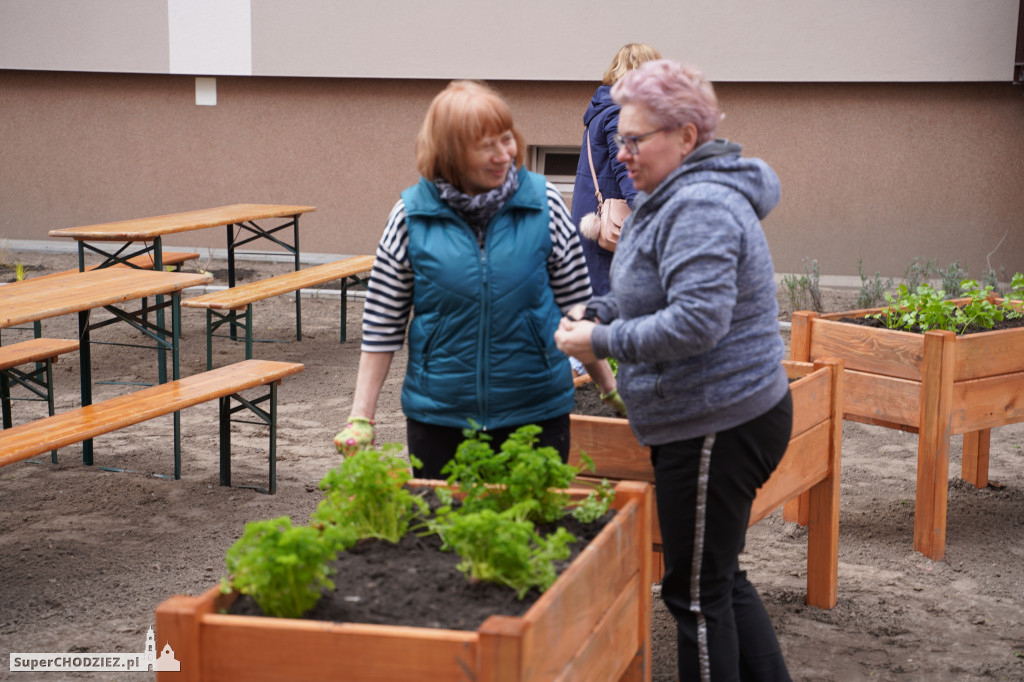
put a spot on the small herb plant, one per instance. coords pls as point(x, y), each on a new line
point(1017, 294)
point(504, 494)
point(518, 474)
point(367, 494)
point(805, 291)
point(927, 308)
point(871, 291)
point(283, 567)
point(979, 310)
point(506, 549)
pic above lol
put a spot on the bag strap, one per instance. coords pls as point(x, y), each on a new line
point(593, 173)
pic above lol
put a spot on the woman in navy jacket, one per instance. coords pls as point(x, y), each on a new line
point(601, 122)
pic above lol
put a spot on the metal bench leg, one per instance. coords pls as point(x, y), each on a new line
point(248, 332)
point(231, 272)
point(85, 375)
point(215, 319)
point(49, 399)
point(39, 382)
point(272, 484)
point(225, 440)
point(344, 308)
point(5, 400)
point(209, 339)
point(268, 416)
point(298, 292)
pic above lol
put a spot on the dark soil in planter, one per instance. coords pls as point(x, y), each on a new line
point(588, 402)
point(414, 583)
point(972, 329)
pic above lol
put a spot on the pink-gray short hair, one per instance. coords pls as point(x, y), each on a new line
point(672, 95)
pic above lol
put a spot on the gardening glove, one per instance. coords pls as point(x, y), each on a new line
point(357, 435)
point(614, 400)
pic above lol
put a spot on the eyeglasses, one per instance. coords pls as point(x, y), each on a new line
point(631, 143)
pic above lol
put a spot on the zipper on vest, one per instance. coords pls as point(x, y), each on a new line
point(483, 376)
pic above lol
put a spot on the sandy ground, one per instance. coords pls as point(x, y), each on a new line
point(87, 554)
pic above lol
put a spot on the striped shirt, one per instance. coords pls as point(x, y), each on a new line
point(389, 292)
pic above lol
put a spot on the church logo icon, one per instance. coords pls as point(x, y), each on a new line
point(165, 662)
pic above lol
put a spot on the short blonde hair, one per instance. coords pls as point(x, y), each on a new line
point(628, 58)
point(460, 115)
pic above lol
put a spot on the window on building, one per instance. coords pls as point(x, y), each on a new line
point(558, 165)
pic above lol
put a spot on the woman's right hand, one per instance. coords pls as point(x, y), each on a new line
point(573, 338)
point(359, 433)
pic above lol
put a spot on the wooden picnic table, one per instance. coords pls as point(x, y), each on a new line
point(113, 289)
point(145, 235)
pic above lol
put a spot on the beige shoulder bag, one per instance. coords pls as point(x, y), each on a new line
point(606, 224)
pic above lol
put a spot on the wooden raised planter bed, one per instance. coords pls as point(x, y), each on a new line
point(935, 384)
point(594, 623)
point(810, 468)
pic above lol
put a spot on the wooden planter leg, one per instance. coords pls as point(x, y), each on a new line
point(796, 509)
point(500, 651)
point(933, 444)
point(800, 336)
point(822, 506)
point(974, 468)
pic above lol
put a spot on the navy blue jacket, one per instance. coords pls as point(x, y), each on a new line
point(602, 123)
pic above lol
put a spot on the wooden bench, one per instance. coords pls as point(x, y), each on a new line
point(806, 480)
point(242, 297)
point(38, 381)
point(145, 262)
point(57, 431)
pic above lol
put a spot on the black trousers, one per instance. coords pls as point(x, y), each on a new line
point(705, 490)
point(434, 445)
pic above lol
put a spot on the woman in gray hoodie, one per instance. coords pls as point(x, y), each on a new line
point(693, 321)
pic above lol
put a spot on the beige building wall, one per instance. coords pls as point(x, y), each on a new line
point(568, 40)
point(881, 173)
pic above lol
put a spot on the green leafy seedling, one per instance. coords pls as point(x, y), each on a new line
point(504, 494)
point(1011, 311)
point(926, 308)
point(283, 567)
point(518, 474)
point(366, 493)
point(595, 504)
point(979, 310)
point(503, 548)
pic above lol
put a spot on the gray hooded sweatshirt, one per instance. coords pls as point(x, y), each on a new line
point(692, 316)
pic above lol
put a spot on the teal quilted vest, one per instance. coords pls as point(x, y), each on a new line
point(481, 341)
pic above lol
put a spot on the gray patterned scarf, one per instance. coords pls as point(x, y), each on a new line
point(478, 209)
